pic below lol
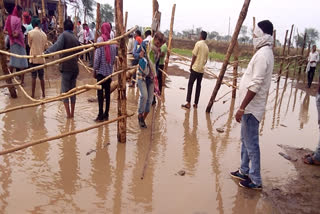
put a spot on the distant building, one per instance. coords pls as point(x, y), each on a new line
point(35, 7)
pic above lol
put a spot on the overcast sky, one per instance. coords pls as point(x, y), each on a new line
point(213, 15)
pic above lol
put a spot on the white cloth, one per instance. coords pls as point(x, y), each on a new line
point(313, 57)
point(111, 34)
point(148, 39)
point(257, 78)
point(130, 45)
point(90, 36)
point(81, 35)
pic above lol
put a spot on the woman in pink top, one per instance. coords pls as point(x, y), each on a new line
point(17, 46)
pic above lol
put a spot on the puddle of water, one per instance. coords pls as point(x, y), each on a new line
point(60, 177)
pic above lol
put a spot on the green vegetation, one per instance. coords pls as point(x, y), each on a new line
point(212, 55)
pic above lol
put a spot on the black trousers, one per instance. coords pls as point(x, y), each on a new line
point(310, 75)
point(193, 77)
point(106, 89)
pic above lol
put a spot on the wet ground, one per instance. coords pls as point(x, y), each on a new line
point(92, 173)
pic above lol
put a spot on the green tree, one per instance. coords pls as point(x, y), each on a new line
point(213, 35)
point(106, 13)
point(88, 9)
point(312, 37)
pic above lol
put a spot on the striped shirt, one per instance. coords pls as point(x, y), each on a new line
point(100, 63)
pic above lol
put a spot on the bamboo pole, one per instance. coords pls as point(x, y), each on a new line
point(122, 56)
point(45, 65)
point(166, 63)
point(302, 50)
point(235, 70)
point(96, 45)
point(43, 140)
point(63, 95)
point(88, 69)
point(283, 54)
point(9, 85)
point(98, 23)
point(241, 19)
point(3, 58)
point(154, 7)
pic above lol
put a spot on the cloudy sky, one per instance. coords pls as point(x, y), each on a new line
point(213, 15)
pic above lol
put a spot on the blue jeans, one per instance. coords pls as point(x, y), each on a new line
point(146, 88)
point(250, 150)
point(317, 152)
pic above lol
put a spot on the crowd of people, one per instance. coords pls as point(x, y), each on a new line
point(148, 53)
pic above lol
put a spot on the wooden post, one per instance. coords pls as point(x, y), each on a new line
point(98, 23)
point(283, 54)
point(302, 50)
point(254, 24)
point(3, 58)
point(125, 20)
point(289, 42)
point(75, 22)
point(289, 45)
point(165, 69)
point(122, 55)
point(233, 42)
point(43, 11)
point(34, 8)
point(235, 69)
point(60, 10)
point(274, 38)
point(155, 7)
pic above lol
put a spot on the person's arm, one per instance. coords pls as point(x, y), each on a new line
point(247, 99)
point(192, 61)
point(194, 54)
point(259, 74)
point(58, 45)
point(29, 40)
point(97, 61)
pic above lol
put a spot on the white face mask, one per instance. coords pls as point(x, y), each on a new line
point(258, 32)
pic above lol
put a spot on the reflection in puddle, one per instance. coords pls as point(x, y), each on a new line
point(61, 176)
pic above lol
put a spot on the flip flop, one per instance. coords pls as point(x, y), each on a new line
point(185, 106)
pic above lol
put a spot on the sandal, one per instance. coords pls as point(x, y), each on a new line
point(309, 160)
point(185, 106)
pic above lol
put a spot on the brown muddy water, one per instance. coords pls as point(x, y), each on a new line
point(91, 173)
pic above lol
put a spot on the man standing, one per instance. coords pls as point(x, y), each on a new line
point(199, 59)
point(69, 69)
point(254, 89)
point(312, 64)
point(314, 158)
point(37, 41)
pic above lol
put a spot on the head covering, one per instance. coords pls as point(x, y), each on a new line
point(266, 26)
point(105, 34)
point(8, 26)
point(26, 18)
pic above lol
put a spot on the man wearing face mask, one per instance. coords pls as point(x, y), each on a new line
point(254, 89)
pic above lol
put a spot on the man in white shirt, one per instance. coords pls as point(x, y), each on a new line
point(254, 89)
point(312, 64)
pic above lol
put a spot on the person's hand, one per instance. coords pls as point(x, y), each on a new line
point(239, 114)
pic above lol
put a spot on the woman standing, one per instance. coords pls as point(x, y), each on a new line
point(17, 45)
point(103, 66)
